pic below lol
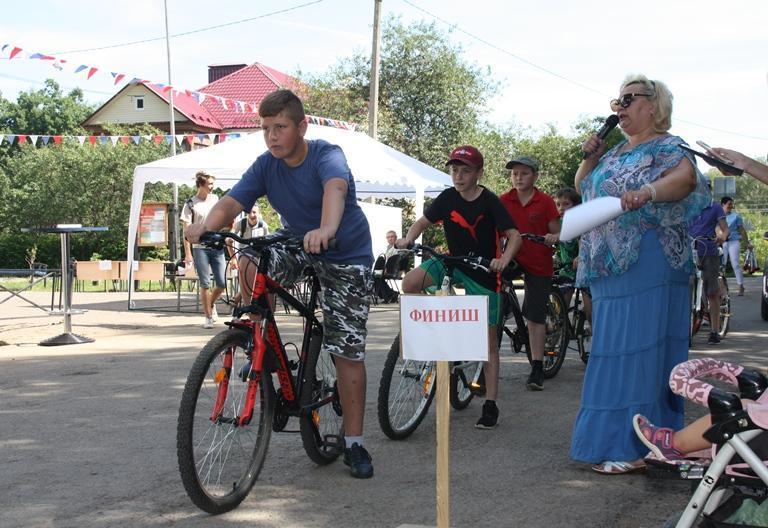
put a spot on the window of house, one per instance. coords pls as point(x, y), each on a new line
point(138, 103)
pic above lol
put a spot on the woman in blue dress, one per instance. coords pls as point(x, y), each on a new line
point(637, 267)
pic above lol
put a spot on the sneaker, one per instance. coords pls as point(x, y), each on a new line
point(714, 338)
point(490, 417)
point(536, 378)
point(741, 290)
point(214, 314)
point(208, 323)
point(359, 461)
point(657, 439)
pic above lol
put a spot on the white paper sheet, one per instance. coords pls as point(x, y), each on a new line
point(582, 218)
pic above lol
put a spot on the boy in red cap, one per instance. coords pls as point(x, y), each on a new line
point(472, 217)
point(533, 212)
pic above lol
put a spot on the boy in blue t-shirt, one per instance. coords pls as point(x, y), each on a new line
point(310, 185)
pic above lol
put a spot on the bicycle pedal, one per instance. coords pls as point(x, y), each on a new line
point(333, 444)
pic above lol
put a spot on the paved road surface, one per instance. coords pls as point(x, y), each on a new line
point(87, 436)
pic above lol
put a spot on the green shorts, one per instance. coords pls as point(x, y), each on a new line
point(435, 269)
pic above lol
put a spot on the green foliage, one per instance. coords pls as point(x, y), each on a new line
point(430, 98)
point(73, 184)
point(45, 111)
point(759, 225)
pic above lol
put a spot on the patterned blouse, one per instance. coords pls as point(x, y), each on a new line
point(613, 247)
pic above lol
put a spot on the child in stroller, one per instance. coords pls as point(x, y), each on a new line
point(734, 426)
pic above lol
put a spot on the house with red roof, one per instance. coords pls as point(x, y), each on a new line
point(227, 104)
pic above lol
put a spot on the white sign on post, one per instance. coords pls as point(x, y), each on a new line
point(444, 328)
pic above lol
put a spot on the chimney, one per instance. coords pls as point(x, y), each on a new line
point(217, 71)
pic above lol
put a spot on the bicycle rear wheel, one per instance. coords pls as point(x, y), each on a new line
point(583, 337)
point(725, 306)
point(321, 423)
point(219, 458)
point(463, 375)
point(406, 390)
point(556, 341)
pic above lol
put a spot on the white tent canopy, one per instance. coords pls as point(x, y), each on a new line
point(379, 170)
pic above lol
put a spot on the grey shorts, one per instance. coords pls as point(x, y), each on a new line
point(710, 268)
point(345, 301)
point(536, 297)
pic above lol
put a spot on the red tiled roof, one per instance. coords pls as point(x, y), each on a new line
point(189, 107)
point(249, 85)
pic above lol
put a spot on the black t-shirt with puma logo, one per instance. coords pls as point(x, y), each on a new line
point(472, 228)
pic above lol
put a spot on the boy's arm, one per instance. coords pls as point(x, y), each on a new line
point(553, 236)
point(334, 195)
point(413, 233)
point(514, 242)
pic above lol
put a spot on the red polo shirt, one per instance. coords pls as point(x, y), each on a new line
point(533, 217)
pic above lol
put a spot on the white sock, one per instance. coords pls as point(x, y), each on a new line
point(349, 440)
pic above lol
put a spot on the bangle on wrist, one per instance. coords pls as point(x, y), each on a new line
point(651, 190)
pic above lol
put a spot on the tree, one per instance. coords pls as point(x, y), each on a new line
point(431, 99)
point(45, 111)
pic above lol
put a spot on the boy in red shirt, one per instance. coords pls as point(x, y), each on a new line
point(533, 212)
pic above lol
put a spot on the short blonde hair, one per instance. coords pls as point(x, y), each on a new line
point(660, 96)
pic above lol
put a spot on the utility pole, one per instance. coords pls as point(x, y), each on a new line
point(174, 209)
point(373, 105)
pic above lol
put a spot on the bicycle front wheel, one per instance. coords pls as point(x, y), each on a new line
point(725, 306)
point(321, 423)
point(464, 376)
point(219, 457)
point(406, 390)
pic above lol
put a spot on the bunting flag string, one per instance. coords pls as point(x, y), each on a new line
point(13, 52)
point(44, 140)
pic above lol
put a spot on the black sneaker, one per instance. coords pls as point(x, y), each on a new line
point(714, 338)
point(490, 416)
point(359, 461)
point(536, 378)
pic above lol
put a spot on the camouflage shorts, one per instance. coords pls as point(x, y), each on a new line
point(345, 299)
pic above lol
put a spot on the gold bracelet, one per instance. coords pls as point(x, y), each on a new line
point(651, 189)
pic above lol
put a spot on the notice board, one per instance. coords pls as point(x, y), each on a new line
point(153, 224)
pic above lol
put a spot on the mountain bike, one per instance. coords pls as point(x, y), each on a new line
point(246, 383)
point(699, 300)
point(407, 387)
point(515, 327)
point(579, 328)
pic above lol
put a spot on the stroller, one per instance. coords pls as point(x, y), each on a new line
point(734, 477)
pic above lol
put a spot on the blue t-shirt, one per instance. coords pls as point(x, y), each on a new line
point(296, 193)
point(734, 222)
point(704, 226)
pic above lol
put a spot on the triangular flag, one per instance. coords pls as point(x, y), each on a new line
point(190, 139)
point(14, 52)
point(117, 76)
point(136, 139)
point(201, 137)
point(57, 140)
point(10, 138)
point(1, 138)
point(22, 138)
point(114, 140)
point(125, 139)
point(92, 140)
point(179, 139)
point(91, 72)
point(169, 139)
point(81, 139)
point(81, 68)
point(158, 139)
point(103, 139)
point(211, 137)
point(222, 137)
point(223, 102)
point(33, 139)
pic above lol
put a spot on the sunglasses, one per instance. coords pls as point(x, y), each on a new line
point(625, 100)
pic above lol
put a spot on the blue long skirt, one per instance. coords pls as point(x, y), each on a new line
point(640, 325)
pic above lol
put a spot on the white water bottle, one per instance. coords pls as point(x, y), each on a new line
point(445, 289)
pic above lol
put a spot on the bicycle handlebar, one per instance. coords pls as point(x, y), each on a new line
point(478, 263)
point(216, 240)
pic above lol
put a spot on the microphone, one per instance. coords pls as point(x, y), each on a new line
point(610, 124)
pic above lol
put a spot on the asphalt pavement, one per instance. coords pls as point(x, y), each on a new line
point(88, 436)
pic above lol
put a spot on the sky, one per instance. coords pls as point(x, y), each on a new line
point(555, 61)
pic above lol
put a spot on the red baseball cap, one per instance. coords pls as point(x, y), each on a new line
point(468, 155)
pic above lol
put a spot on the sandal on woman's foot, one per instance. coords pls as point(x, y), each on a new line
point(610, 467)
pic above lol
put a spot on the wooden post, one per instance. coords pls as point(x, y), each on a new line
point(443, 470)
